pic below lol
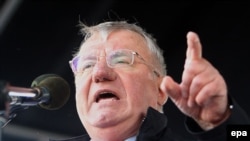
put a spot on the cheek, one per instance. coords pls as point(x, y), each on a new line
point(81, 94)
point(82, 85)
point(142, 92)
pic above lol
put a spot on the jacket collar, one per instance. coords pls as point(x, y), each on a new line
point(153, 126)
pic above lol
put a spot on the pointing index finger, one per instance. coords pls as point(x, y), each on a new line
point(194, 48)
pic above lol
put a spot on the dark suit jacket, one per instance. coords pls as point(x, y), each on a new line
point(154, 128)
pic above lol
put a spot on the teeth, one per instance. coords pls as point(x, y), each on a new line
point(105, 92)
point(106, 95)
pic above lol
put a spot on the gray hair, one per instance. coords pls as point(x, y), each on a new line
point(106, 27)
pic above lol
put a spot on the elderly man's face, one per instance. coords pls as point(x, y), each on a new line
point(120, 96)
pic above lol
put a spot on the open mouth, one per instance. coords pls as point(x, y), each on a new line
point(106, 95)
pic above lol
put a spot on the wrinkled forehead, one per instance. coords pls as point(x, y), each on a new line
point(117, 39)
point(92, 42)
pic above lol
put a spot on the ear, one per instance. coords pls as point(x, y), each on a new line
point(162, 95)
point(162, 98)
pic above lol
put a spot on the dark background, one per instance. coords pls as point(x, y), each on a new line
point(39, 36)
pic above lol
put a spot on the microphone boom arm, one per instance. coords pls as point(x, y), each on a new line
point(28, 96)
point(48, 91)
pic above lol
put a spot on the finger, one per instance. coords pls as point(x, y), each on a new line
point(187, 77)
point(215, 88)
point(170, 87)
point(190, 68)
point(194, 48)
point(198, 83)
point(205, 95)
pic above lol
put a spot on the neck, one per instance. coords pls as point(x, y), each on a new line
point(114, 134)
point(119, 132)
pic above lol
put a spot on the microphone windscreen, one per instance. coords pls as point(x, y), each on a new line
point(58, 88)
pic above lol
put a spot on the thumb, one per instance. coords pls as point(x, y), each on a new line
point(171, 88)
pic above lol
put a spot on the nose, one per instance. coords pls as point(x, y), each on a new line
point(102, 72)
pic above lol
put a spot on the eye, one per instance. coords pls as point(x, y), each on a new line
point(86, 64)
point(120, 60)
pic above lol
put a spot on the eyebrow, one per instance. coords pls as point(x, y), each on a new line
point(87, 57)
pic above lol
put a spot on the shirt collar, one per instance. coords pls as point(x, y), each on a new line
point(131, 139)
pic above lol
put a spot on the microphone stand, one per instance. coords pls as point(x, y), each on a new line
point(4, 106)
point(7, 110)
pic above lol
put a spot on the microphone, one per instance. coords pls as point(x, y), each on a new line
point(48, 91)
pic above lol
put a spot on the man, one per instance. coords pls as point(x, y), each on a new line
point(122, 86)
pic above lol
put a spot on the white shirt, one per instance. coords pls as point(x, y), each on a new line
point(131, 139)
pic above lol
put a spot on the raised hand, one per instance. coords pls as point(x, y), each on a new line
point(202, 94)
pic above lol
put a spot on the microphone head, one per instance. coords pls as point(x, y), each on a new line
point(58, 88)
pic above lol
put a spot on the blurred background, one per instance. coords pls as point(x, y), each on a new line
point(39, 37)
